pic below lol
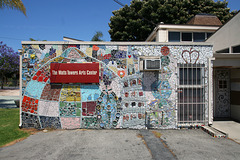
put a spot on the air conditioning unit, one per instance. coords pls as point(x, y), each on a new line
point(150, 64)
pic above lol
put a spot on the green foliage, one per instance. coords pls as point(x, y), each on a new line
point(136, 22)
point(9, 130)
point(9, 62)
point(97, 36)
point(13, 4)
point(31, 39)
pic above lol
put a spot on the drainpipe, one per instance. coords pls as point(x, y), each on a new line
point(210, 91)
point(20, 88)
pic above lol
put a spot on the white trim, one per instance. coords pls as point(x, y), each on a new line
point(20, 90)
point(210, 91)
point(145, 63)
point(152, 35)
point(117, 43)
point(187, 27)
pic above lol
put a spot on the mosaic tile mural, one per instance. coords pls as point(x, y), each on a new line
point(125, 97)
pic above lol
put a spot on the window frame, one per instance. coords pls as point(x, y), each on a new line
point(187, 33)
point(174, 32)
point(194, 40)
point(180, 32)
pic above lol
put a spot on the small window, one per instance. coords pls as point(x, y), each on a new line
point(186, 36)
point(199, 37)
point(236, 49)
point(226, 50)
point(174, 36)
point(209, 34)
point(222, 84)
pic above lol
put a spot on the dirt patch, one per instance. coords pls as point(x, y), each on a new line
point(166, 146)
point(144, 142)
point(9, 92)
point(157, 134)
point(31, 131)
point(13, 142)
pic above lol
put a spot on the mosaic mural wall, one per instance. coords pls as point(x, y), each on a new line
point(125, 97)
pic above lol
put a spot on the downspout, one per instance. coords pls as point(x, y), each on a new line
point(20, 88)
point(210, 91)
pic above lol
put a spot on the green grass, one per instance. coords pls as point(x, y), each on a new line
point(9, 130)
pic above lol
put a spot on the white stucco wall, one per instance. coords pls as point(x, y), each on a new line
point(227, 36)
point(162, 36)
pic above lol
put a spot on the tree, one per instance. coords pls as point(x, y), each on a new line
point(97, 36)
point(9, 62)
point(136, 22)
point(31, 39)
point(13, 4)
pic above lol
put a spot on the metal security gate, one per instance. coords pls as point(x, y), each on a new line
point(191, 94)
point(222, 93)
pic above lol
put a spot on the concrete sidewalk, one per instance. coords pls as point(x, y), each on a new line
point(195, 144)
point(8, 101)
point(231, 128)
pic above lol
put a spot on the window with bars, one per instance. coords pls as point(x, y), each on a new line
point(191, 89)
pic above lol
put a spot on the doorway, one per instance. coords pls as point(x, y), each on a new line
point(221, 93)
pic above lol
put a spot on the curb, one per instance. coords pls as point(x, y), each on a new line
point(214, 132)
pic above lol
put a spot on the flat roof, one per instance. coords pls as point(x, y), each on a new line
point(120, 43)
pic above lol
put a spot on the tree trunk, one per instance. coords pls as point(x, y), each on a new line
point(2, 81)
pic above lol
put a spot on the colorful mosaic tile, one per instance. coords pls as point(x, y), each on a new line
point(91, 122)
point(30, 121)
point(90, 92)
point(29, 105)
point(34, 89)
point(70, 122)
point(70, 109)
point(89, 108)
point(48, 108)
point(50, 122)
point(70, 93)
point(51, 92)
point(121, 98)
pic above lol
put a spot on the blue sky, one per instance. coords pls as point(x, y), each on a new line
point(52, 19)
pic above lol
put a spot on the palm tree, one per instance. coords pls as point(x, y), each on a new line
point(13, 4)
point(97, 36)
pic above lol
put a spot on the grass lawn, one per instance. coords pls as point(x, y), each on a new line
point(9, 130)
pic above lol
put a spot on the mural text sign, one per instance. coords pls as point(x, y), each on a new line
point(74, 73)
